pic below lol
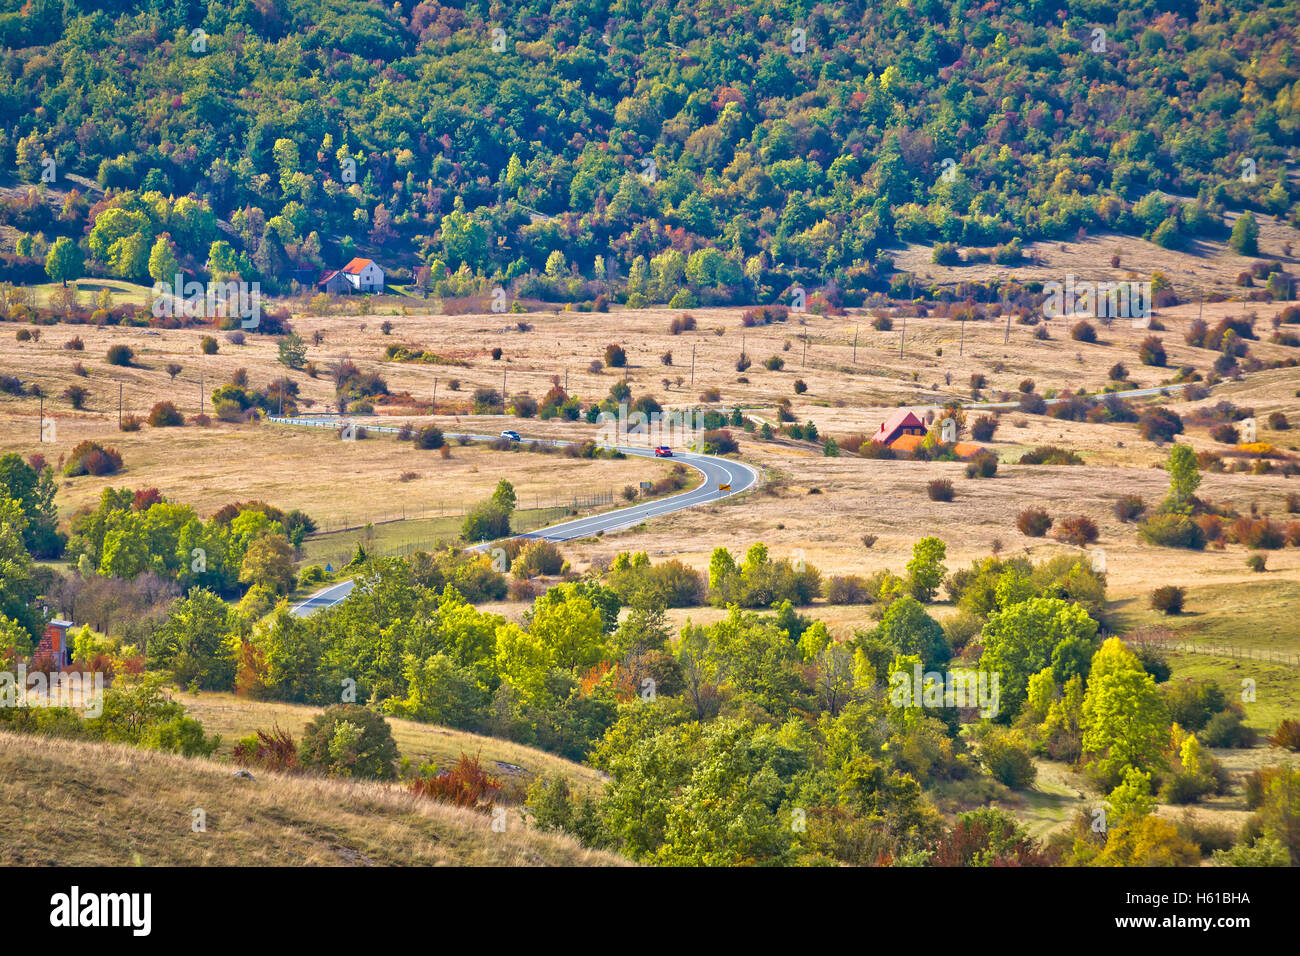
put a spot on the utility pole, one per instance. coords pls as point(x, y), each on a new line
point(855, 345)
point(961, 348)
point(692, 366)
point(902, 338)
point(40, 424)
point(200, 393)
point(503, 391)
point(1007, 338)
point(804, 364)
point(434, 409)
point(119, 406)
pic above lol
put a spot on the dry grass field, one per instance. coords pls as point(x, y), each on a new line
point(822, 506)
point(71, 803)
point(1204, 267)
point(809, 505)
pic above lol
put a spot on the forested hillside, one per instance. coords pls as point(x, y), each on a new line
point(710, 151)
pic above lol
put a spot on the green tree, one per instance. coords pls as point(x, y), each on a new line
point(486, 521)
point(731, 808)
point(1125, 723)
point(1279, 812)
point(290, 650)
point(1244, 240)
point(18, 585)
point(571, 630)
point(926, 570)
point(504, 496)
point(269, 561)
point(1184, 479)
point(908, 629)
point(293, 351)
point(1132, 799)
point(163, 266)
point(194, 644)
point(34, 491)
point(1019, 641)
point(722, 566)
point(63, 261)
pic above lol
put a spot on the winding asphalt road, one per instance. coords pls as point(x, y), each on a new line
point(1124, 393)
point(715, 470)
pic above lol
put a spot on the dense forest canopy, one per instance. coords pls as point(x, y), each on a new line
point(725, 149)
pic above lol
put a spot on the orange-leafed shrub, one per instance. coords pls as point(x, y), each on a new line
point(1287, 735)
point(466, 785)
point(1211, 526)
point(1257, 533)
point(270, 750)
point(1079, 530)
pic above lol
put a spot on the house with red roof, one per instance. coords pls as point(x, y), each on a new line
point(359, 275)
point(902, 422)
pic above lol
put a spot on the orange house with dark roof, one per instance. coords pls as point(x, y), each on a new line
point(902, 422)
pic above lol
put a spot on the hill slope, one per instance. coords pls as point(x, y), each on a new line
point(71, 803)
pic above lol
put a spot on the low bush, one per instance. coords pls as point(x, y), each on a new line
point(1159, 424)
point(847, 589)
point(1129, 508)
point(1287, 735)
point(1225, 434)
point(982, 428)
point(1257, 533)
point(1168, 599)
point(466, 785)
point(983, 465)
point(1078, 530)
point(1033, 522)
point(165, 415)
point(270, 750)
point(429, 437)
point(349, 740)
point(1033, 404)
point(92, 458)
point(1172, 531)
point(1228, 728)
point(536, 558)
point(720, 442)
point(1152, 352)
point(76, 395)
point(940, 489)
point(1008, 760)
point(1050, 455)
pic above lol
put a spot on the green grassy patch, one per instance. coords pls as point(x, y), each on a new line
point(1276, 686)
point(1254, 615)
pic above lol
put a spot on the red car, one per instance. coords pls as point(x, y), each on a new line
point(663, 451)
